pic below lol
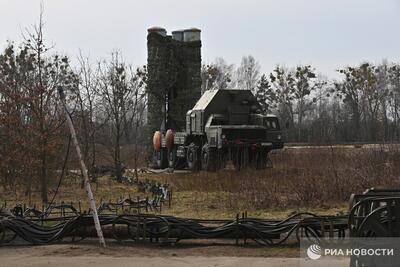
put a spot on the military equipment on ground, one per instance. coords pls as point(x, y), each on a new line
point(223, 125)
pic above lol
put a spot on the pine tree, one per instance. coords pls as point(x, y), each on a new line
point(264, 93)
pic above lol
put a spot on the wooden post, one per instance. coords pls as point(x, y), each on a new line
point(84, 170)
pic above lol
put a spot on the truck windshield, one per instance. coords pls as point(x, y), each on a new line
point(271, 123)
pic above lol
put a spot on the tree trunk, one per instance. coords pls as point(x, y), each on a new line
point(136, 152)
point(356, 122)
point(117, 156)
point(43, 178)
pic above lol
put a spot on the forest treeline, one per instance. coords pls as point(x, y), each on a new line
point(361, 106)
point(107, 101)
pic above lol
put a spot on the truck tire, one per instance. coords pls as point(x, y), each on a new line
point(261, 162)
point(172, 158)
point(161, 158)
point(192, 157)
point(208, 158)
point(222, 160)
point(237, 159)
point(241, 158)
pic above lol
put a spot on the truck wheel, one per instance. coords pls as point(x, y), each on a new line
point(261, 162)
point(208, 158)
point(192, 158)
point(161, 158)
point(253, 159)
point(172, 158)
point(238, 159)
point(222, 159)
point(241, 158)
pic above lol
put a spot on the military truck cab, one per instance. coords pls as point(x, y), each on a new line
point(271, 122)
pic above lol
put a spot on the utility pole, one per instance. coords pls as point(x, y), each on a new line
point(83, 169)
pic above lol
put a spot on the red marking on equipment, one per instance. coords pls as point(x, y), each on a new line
point(169, 139)
point(238, 142)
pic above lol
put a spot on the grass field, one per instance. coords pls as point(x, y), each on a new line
point(318, 180)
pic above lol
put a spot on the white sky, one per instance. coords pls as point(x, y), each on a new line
point(325, 33)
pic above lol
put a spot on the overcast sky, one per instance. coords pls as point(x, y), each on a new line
point(325, 33)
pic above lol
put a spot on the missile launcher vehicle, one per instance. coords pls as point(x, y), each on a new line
point(224, 125)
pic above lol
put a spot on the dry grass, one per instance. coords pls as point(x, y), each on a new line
point(301, 178)
point(71, 191)
point(317, 180)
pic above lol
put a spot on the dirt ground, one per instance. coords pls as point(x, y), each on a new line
point(89, 254)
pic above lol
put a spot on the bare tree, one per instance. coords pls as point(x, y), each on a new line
point(43, 102)
point(35, 76)
point(138, 84)
point(121, 93)
point(349, 90)
point(248, 73)
point(362, 93)
point(304, 85)
point(282, 83)
point(394, 100)
point(217, 75)
point(90, 119)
